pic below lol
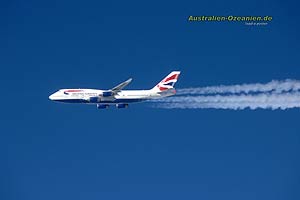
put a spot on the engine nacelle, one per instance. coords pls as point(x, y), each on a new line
point(122, 105)
point(102, 106)
point(94, 99)
point(107, 94)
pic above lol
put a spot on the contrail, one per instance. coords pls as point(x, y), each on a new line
point(235, 102)
point(273, 95)
point(273, 86)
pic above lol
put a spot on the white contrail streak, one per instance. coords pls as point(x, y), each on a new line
point(273, 86)
point(234, 101)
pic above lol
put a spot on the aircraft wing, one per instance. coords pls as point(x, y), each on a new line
point(119, 87)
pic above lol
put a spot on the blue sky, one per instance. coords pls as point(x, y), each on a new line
point(60, 151)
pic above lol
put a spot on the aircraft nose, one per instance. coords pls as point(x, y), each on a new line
point(51, 97)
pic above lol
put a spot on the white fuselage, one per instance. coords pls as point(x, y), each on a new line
point(93, 96)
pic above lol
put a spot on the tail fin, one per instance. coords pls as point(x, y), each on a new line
point(167, 83)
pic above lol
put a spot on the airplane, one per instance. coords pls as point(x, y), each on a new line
point(117, 96)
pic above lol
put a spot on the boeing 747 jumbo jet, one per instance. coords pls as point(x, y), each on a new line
point(117, 96)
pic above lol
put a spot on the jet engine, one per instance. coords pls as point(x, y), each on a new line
point(94, 99)
point(102, 106)
point(122, 105)
point(107, 94)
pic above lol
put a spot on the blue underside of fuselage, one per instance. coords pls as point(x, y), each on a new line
point(101, 102)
